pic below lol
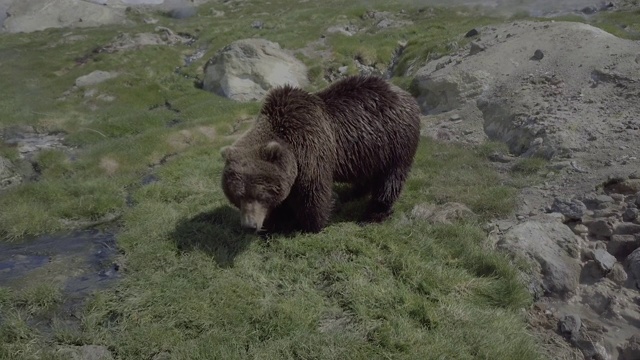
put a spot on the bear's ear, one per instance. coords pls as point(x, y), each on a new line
point(272, 151)
point(226, 152)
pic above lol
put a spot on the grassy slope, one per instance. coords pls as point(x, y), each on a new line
point(195, 286)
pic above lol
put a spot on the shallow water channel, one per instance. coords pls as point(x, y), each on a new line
point(77, 262)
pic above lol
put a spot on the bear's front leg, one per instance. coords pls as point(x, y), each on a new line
point(313, 201)
point(282, 219)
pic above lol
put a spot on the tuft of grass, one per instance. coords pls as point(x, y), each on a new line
point(37, 299)
point(529, 166)
point(624, 24)
point(491, 147)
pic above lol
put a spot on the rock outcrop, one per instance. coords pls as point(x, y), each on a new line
point(545, 89)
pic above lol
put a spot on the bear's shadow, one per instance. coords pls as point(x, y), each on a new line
point(217, 233)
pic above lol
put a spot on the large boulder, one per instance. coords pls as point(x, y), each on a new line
point(552, 250)
point(546, 89)
point(34, 15)
point(246, 69)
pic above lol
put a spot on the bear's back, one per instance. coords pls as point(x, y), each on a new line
point(376, 124)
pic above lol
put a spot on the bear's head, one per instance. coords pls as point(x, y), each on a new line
point(258, 179)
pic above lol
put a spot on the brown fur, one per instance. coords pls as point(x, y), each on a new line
point(360, 130)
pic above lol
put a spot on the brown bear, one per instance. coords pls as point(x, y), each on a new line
point(360, 130)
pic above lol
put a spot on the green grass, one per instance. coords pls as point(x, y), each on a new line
point(194, 285)
point(529, 166)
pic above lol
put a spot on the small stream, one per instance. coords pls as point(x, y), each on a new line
point(78, 262)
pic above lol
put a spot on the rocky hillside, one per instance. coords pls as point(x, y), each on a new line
point(565, 92)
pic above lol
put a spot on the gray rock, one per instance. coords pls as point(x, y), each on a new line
point(183, 12)
point(591, 272)
point(631, 350)
point(550, 248)
point(626, 229)
point(593, 201)
point(633, 262)
point(162, 356)
point(622, 245)
point(604, 259)
point(590, 344)
point(600, 227)
point(471, 33)
point(594, 350)
point(617, 274)
point(246, 70)
point(573, 209)
point(257, 24)
point(604, 199)
point(638, 199)
point(580, 229)
point(626, 186)
point(617, 197)
point(85, 352)
point(34, 15)
point(8, 174)
point(538, 55)
point(446, 92)
point(605, 213)
point(94, 78)
point(569, 326)
point(630, 214)
point(347, 30)
point(476, 48)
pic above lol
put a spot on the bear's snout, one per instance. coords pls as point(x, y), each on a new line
point(253, 215)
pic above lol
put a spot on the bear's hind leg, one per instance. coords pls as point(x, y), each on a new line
point(384, 193)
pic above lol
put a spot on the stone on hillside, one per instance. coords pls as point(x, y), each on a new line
point(633, 262)
point(591, 272)
point(599, 227)
point(476, 48)
point(347, 30)
point(604, 259)
point(622, 245)
point(593, 201)
point(445, 92)
point(94, 78)
point(182, 12)
point(85, 352)
point(626, 187)
point(631, 350)
point(246, 70)
point(35, 15)
point(617, 274)
point(573, 209)
point(569, 326)
point(630, 214)
point(8, 174)
point(626, 229)
point(552, 249)
point(471, 33)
